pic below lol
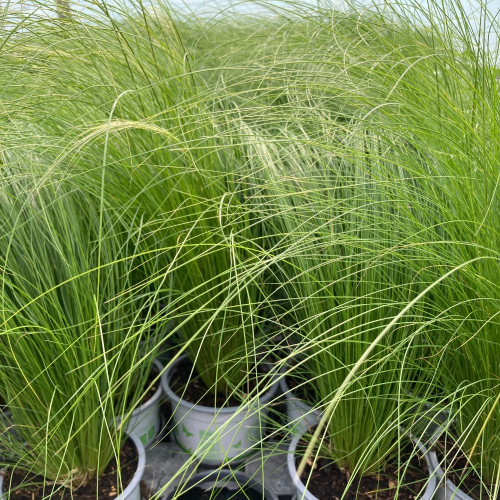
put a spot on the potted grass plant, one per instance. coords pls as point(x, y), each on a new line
point(69, 346)
point(466, 352)
point(197, 223)
point(435, 211)
point(220, 411)
point(172, 174)
point(462, 336)
point(466, 454)
point(340, 231)
point(363, 443)
point(345, 287)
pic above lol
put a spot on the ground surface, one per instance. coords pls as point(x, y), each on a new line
point(164, 459)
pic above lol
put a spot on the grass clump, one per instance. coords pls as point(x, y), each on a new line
point(72, 323)
point(336, 173)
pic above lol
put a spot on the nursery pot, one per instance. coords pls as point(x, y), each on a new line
point(221, 484)
point(300, 415)
point(132, 491)
point(216, 435)
point(445, 490)
point(434, 420)
point(145, 421)
point(437, 422)
point(303, 493)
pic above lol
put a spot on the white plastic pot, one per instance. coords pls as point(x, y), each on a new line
point(446, 490)
point(216, 435)
point(133, 490)
point(303, 493)
point(300, 415)
point(145, 421)
point(437, 421)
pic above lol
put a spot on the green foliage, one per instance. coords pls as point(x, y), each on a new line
point(328, 175)
point(70, 357)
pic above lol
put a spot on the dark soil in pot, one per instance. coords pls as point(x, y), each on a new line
point(187, 384)
point(31, 487)
point(458, 470)
point(328, 482)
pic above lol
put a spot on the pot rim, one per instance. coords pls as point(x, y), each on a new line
point(156, 396)
point(429, 490)
point(438, 470)
point(141, 465)
point(289, 393)
point(136, 478)
point(209, 409)
point(286, 391)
